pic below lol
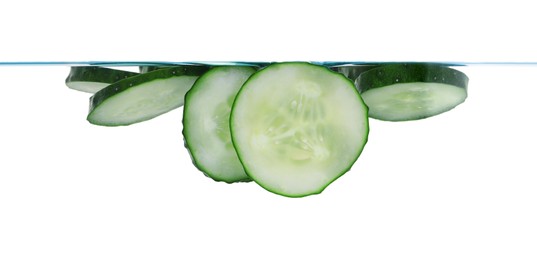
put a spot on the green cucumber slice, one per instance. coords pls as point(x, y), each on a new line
point(206, 123)
point(91, 79)
point(142, 97)
point(411, 91)
point(297, 127)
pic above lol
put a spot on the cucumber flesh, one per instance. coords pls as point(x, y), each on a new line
point(297, 127)
point(206, 123)
point(403, 92)
point(91, 79)
point(142, 97)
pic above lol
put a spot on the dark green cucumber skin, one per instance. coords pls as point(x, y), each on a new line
point(353, 71)
point(134, 81)
point(149, 68)
point(365, 138)
point(97, 74)
point(186, 133)
point(410, 72)
point(146, 69)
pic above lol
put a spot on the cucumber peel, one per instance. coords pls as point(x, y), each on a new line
point(353, 71)
point(146, 69)
point(91, 79)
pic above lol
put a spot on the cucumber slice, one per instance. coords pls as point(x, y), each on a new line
point(91, 79)
point(297, 127)
point(412, 91)
point(142, 97)
point(206, 123)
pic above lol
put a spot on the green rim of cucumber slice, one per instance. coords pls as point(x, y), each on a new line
point(91, 79)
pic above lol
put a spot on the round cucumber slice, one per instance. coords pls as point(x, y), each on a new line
point(91, 79)
point(411, 91)
point(297, 127)
point(206, 123)
point(142, 97)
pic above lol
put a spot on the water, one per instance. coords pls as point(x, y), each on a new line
point(465, 178)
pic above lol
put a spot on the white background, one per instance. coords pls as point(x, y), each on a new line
point(460, 185)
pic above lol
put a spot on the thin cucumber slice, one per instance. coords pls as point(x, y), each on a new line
point(142, 97)
point(412, 91)
point(206, 123)
point(91, 79)
point(297, 127)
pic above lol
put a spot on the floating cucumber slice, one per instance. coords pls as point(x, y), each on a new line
point(411, 91)
point(92, 78)
point(297, 127)
point(142, 97)
point(206, 123)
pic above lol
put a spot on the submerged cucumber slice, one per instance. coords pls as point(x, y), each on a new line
point(297, 127)
point(401, 92)
point(206, 123)
point(142, 97)
point(92, 78)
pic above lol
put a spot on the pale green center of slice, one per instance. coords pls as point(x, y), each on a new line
point(407, 101)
